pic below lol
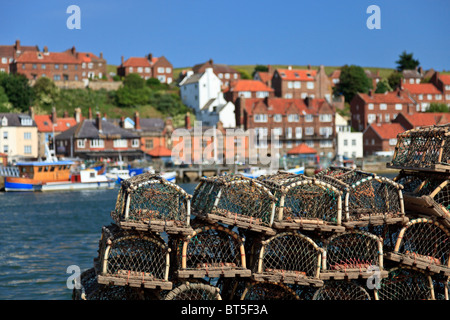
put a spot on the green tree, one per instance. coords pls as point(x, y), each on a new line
point(406, 62)
point(45, 92)
point(383, 86)
point(18, 90)
point(4, 103)
point(438, 107)
point(352, 80)
point(261, 68)
point(394, 79)
point(134, 81)
point(244, 74)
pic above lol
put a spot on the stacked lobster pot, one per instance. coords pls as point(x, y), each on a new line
point(423, 157)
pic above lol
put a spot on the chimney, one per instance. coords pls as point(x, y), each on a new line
point(137, 122)
point(17, 46)
point(122, 121)
point(54, 117)
point(370, 92)
point(73, 51)
point(420, 70)
point(309, 67)
point(31, 112)
point(90, 114)
point(121, 59)
point(211, 62)
point(289, 67)
point(101, 55)
point(150, 57)
point(77, 115)
point(45, 49)
point(241, 111)
point(187, 121)
point(98, 122)
point(66, 114)
point(308, 101)
point(269, 69)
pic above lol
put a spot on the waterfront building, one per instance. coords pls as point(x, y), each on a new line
point(147, 67)
point(224, 72)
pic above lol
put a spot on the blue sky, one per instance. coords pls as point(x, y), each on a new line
point(188, 32)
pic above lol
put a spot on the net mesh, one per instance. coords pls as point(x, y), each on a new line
point(341, 290)
point(405, 284)
point(194, 291)
point(268, 291)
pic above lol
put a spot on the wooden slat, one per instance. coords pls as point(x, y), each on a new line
point(134, 282)
point(201, 273)
point(351, 274)
point(403, 259)
point(287, 277)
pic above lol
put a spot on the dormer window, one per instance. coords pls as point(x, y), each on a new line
point(4, 122)
point(26, 121)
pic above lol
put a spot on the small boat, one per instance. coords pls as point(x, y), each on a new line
point(257, 172)
point(54, 176)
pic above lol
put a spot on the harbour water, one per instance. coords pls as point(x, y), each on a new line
point(42, 234)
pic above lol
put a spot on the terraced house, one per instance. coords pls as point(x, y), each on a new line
point(147, 67)
point(18, 136)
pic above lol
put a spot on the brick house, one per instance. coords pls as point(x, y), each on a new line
point(58, 66)
point(147, 67)
point(442, 83)
point(422, 119)
point(367, 108)
point(248, 89)
point(374, 77)
point(301, 83)
point(265, 76)
point(97, 139)
point(10, 52)
point(381, 137)
point(424, 94)
point(295, 121)
point(223, 71)
point(92, 66)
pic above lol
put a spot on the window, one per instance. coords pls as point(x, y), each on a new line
point(398, 106)
point(76, 77)
point(57, 77)
point(293, 117)
point(26, 121)
point(297, 84)
point(326, 131)
point(168, 70)
point(277, 118)
point(83, 65)
point(80, 143)
point(27, 135)
point(235, 76)
point(392, 142)
point(140, 69)
point(57, 66)
point(289, 133)
point(290, 84)
point(227, 76)
point(43, 66)
point(5, 148)
point(27, 149)
point(309, 118)
point(162, 78)
point(370, 106)
point(34, 66)
point(120, 143)
point(65, 66)
point(310, 85)
point(383, 106)
point(135, 143)
point(288, 96)
point(420, 96)
point(260, 118)
point(353, 142)
point(76, 67)
point(278, 131)
point(326, 143)
point(261, 131)
point(220, 75)
point(387, 117)
point(4, 60)
point(298, 132)
point(5, 135)
point(373, 141)
point(97, 143)
point(245, 94)
point(309, 131)
point(149, 144)
point(130, 69)
point(325, 117)
point(90, 65)
point(429, 96)
point(147, 70)
point(23, 66)
point(438, 97)
point(160, 70)
point(262, 94)
point(371, 118)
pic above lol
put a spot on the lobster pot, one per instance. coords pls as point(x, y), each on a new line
point(341, 290)
point(212, 251)
point(387, 233)
point(441, 287)
point(353, 255)
point(291, 258)
point(367, 198)
point(405, 283)
point(132, 258)
point(236, 201)
point(256, 290)
point(194, 291)
point(148, 202)
point(426, 149)
point(306, 204)
point(425, 244)
point(91, 290)
point(427, 195)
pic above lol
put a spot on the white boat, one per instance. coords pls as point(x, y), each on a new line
point(117, 174)
point(169, 176)
point(86, 179)
point(255, 172)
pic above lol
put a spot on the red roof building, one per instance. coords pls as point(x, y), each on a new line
point(147, 67)
point(248, 89)
point(302, 149)
point(10, 52)
point(159, 152)
point(381, 137)
point(442, 82)
point(424, 94)
point(422, 119)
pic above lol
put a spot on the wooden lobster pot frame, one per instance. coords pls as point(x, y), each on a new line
point(367, 198)
point(235, 200)
point(341, 290)
point(131, 258)
point(291, 258)
point(353, 255)
point(424, 149)
point(425, 244)
point(427, 194)
point(147, 202)
point(305, 204)
point(441, 287)
point(405, 283)
point(256, 290)
point(194, 291)
point(212, 251)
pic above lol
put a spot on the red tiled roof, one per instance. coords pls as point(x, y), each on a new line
point(422, 119)
point(297, 74)
point(276, 105)
point(87, 56)
point(160, 151)
point(387, 130)
point(421, 88)
point(265, 76)
point(44, 123)
point(387, 97)
point(445, 78)
point(50, 57)
point(136, 62)
point(249, 85)
point(302, 149)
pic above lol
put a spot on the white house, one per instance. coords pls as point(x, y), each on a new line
point(348, 144)
point(202, 92)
